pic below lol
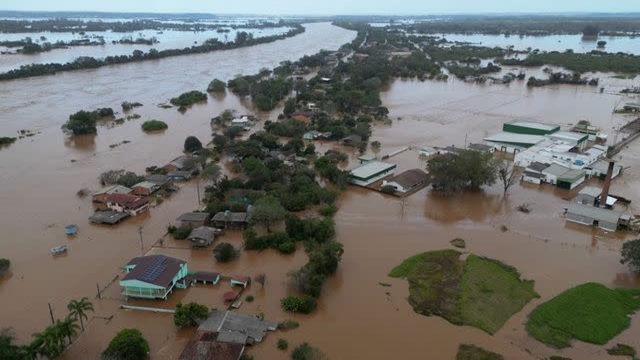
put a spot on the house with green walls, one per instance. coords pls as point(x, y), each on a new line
point(153, 276)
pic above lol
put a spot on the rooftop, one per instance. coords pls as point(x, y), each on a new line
point(158, 270)
point(146, 185)
point(513, 138)
point(410, 178)
point(593, 212)
point(230, 216)
point(556, 170)
point(591, 191)
point(194, 216)
point(107, 217)
point(569, 135)
point(533, 125)
point(227, 322)
point(370, 169)
point(127, 200)
point(114, 189)
point(537, 166)
point(572, 175)
point(204, 233)
point(158, 179)
point(205, 345)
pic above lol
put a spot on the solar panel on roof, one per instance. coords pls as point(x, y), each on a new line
point(151, 273)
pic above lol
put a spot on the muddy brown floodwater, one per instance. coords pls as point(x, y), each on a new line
point(356, 316)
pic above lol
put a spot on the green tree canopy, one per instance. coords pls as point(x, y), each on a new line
point(267, 211)
point(191, 144)
point(470, 169)
point(78, 309)
point(189, 314)
point(128, 344)
point(82, 122)
point(631, 254)
point(5, 264)
point(217, 86)
point(224, 252)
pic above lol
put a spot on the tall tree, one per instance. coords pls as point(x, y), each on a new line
point(68, 327)
point(78, 309)
point(267, 211)
point(631, 254)
point(191, 144)
point(189, 314)
point(128, 344)
point(212, 173)
point(507, 174)
point(468, 170)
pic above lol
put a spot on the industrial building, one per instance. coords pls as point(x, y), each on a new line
point(593, 216)
point(529, 127)
point(370, 172)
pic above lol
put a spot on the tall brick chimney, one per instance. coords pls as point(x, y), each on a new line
point(607, 184)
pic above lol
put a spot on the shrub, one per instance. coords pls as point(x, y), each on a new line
point(82, 122)
point(154, 125)
point(181, 233)
point(305, 351)
point(622, 350)
point(128, 344)
point(191, 144)
point(631, 254)
point(189, 98)
point(288, 325)
point(249, 298)
point(225, 252)
point(298, 304)
point(287, 247)
point(189, 314)
point(328, 210)
point(283, 344)
point(5, 264)
point(7, 140)
point(217, 85)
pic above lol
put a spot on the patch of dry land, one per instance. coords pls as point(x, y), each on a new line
point(478, 291)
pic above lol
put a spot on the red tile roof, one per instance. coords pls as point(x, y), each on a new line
point(127, 200)
point(204, 346)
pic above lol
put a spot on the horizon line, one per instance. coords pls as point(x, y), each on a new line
point(334, 15)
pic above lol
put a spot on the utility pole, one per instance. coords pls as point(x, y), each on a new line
point(198, 191)
point(51, 313)
point(141, 241)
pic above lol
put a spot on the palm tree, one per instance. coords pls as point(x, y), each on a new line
point(49, 343)
point(68, 327)
point(78, 309)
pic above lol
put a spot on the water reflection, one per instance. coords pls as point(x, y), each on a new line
point(84, 143)
point(473, 205)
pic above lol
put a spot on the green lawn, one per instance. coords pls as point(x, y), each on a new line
point(434, 280)
point(480, 292)
point(472, 352)
point(491, 293)
point(589, 312)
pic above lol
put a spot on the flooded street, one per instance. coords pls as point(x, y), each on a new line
point(356, 317)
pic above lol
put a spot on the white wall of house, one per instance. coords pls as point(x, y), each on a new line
point(370, 181)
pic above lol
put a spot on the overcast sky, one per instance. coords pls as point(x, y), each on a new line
point(328, 7)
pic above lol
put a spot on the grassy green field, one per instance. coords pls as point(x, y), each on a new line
point(491, 293)
point(472, 352)
point(589, 312)
point(480, 292)
point(434, 280)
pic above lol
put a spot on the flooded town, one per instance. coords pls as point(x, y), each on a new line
point(275, 187)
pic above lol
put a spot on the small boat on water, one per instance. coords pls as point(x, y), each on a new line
point(56, 250)
point(71, 229)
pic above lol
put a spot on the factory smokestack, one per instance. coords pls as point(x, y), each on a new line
point(607, 184)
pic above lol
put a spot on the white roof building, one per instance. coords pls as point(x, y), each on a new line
point(370, 172)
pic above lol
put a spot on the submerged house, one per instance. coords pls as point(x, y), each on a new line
point(127, 203)
point(593, 216)
point(153, 276)
point(202, 236)
point(194, 219)
point(408, 180)
point(145, 188)
point(101, 196)
point(228, 219)
point(181, 163)
point(370, 172)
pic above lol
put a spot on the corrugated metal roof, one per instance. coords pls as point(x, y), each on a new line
point(555, 170)
point(507, 137)
point(534, 125)
point(594, 213)
point(591, 191)
point(572, 175)
point(371, 168)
